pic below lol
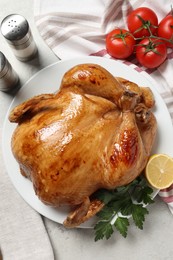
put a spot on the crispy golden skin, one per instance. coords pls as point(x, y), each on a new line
point(96, 132)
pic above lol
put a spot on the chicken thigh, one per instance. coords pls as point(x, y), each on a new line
point(96, 132)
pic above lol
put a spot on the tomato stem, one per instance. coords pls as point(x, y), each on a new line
point(151, 46)
point(121, 36)
point(156, 37)
point(171, 11)
point(146, 24)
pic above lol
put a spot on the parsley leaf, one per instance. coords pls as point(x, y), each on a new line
point(105, 195)
point(138, 215)
point(103, 229)
point(120, 204)
point(142, 192)
point(121, 225)
point(106, 213)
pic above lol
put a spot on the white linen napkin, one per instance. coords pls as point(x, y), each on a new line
point(78, 28)
point(22, 232)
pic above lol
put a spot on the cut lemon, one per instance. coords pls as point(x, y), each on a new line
point(159, 171)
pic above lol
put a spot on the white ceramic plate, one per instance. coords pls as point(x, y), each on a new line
point(48, 81)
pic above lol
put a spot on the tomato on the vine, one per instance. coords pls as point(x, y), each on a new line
point(120, 43)
point(165, 29)
point(151, 53)
point(141, 20)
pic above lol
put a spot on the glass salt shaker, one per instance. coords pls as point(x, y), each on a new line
point(16, 31)
point(8, 77)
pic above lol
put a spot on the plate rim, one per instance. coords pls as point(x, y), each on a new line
point(143, 74)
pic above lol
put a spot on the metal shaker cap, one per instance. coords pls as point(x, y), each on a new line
point(15, 29)
point(3, 65)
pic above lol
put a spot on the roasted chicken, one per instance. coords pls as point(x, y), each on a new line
point(96, 132)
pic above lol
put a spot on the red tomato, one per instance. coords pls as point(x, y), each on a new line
point(151, 52)
point(140, 19)
point(165, 29)
point(120, 43)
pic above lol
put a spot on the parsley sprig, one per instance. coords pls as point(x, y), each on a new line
point(120, 204)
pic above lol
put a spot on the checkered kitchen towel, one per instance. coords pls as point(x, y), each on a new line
point(78, 28)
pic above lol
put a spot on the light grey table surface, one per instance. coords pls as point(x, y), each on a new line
point(155, 242)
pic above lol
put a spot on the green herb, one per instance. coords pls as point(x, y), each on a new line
point(120, 204)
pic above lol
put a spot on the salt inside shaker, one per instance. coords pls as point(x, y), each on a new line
point(17, 33)
point(8, 77)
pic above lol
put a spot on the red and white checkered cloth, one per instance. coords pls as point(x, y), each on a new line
point(78, 28)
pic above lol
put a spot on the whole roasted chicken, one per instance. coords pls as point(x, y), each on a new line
point(96, 132)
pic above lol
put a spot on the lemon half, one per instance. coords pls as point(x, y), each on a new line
point(159, 171)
